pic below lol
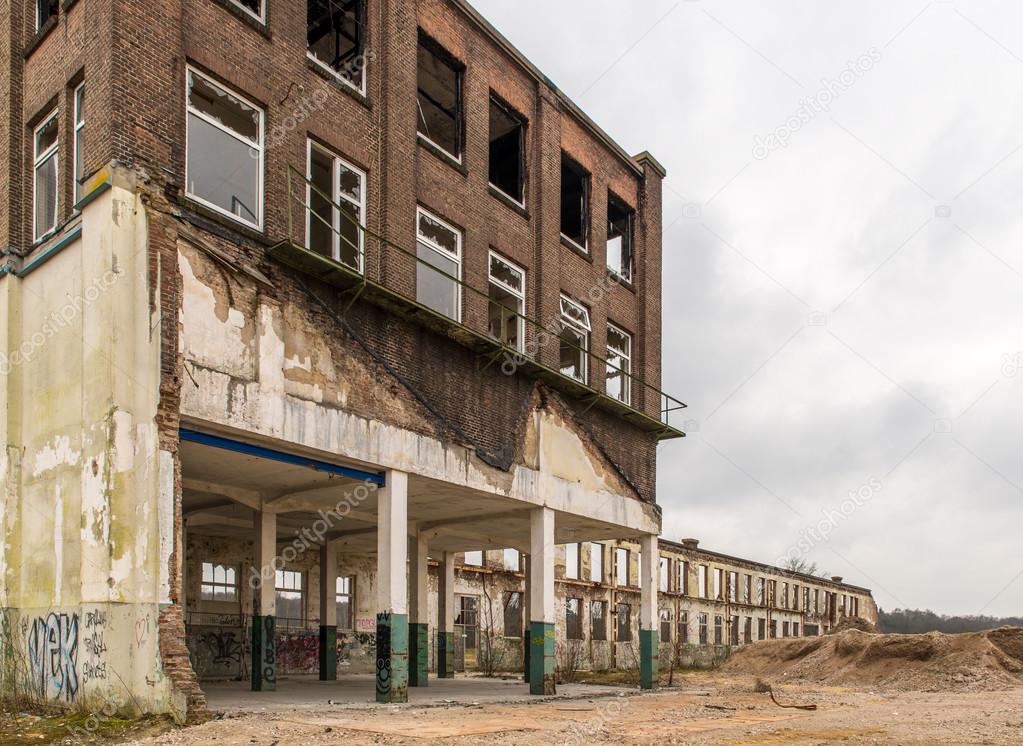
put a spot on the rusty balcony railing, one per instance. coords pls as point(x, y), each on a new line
point(481, 323)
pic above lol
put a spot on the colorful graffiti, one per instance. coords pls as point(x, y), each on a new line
point(53, 655)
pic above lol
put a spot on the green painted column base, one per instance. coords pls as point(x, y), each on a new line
point(328, 653)
point(264, 653)
point(541, 659)
point(649, 672)
point(446, 655)
point(418, 653)
point(525, 656)
point(392, 658)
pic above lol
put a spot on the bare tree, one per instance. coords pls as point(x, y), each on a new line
point(804, 566)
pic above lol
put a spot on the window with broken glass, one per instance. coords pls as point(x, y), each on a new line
point(46, 169)
point(619, 237)
point(439, 248)
point(574, 339)
point(507, 150)
point(666, 625)
point(575, 203)
point(440, 97)
point(598, 620)
point(335, 39)
point(513, 614)
point(507, 302)
point(45, 10)
point(624, 623)
point(574, 618)
point(619, 364)
point(254, 8)
point(336, 195)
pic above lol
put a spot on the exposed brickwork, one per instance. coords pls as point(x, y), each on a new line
point(176, 665)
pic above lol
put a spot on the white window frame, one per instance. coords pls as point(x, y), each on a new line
point(520, 294)
point(361, 88)
point(350, 595)
point(38, 159)
point(584, 327)
point(79, 121)
point(626, 397)
point(39, 21)
point(261, 17)
point(337, 196)
point(260, 147)
point(456, 257)
point(213, 584)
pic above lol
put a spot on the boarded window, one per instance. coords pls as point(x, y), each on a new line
point(440, 97)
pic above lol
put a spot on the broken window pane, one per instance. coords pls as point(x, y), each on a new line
point(336, 208)
point(507, 140)
point(254, 7)
point(439, 249)
point(45, 10)
point(507, 302)
point(322, 221)
point(575, 188)
point(513, 614)
point(440, 97)
point(624, 623)
point(598, 621)
point(574, 340)
point(619, 364)
point(79, 153)
point(224, 153)
point(619, 237)
point(335, 38)
point(665, 625)
point(46, 168)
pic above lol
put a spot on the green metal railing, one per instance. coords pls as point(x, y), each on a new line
point(354, 279)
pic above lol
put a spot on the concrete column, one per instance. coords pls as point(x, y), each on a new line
point(528, 613)
point(328, 612)
point(264, 611)
point(648, 643)
point(446, 618)
point(419, 628)
point(541, 601)
point(392, 582)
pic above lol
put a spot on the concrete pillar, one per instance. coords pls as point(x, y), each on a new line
point(264, 620)
point(419, 628)
point(648, 643)
point(392, 582)
point(328, 612)
point(446, 618)
point(526, 631)
point(541, 601)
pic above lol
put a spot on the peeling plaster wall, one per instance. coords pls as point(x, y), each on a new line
point(84, 514)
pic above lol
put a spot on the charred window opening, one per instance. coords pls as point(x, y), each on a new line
point(620, 218)
point(440, 97)
point(334, 34)
point(507, 150)
point(575, 202)
point(252, 7)
point(45, 10)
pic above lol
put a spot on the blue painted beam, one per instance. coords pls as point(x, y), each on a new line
point(215, 441)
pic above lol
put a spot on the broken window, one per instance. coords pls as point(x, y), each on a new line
point(507, 151)
point(253, 7)
point(45, 10)
point(760, 591)
point(440, 97)
point(473, 559)
point(783, 601)
point(619, 364)
point(624, 623)
point(761, 629)
point(665, 625)
point(290, 595)
point(572, 561)
point(574, 618)
point(795, 629)
point(816, 600)
point(575, 339)
point(575, 202)
point(703, 628)
point(784, 629)
point(512, 560)
point(747, 636)
point(733, 630)
point(598, 620)
point(701, 578)
point(440, 266)
point(664, 577)
point(619, 237)
point(733, 587)
point(718, 585)
point(596, 563)
point(335, 38)
point(622, 567)
point(683, 628)
point(795, 598)
point(219, 583)
point(747, 589)
point(79, 141)
point(683, 577)
point(513, 614)
point(224, 151)
point(336, 195)
point(344, 597)
point(46, 158)
point(774, 629)
point(507, 302)
point(719, 629)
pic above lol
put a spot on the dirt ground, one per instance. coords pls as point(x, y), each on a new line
point(703, 708)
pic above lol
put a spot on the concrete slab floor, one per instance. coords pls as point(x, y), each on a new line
point(309, 693)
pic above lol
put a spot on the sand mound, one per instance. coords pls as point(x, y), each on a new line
point(933, 662)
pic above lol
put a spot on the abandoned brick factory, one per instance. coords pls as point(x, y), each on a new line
point(330, 344)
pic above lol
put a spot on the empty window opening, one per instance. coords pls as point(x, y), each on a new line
point(575, 339)
point(619, 237)
point(507, 302)
point(473, 559)
point(290, 595)
point(665, 625)
point(440, 97)
point(512, 560)
point(575, 202)
point(718, 589)
point(45, 10)
point(574, 618)
point(598, 620)
point(336, 196)
point(733, 630)
point(701, 578)
point(747, 636)
point(619, 364)
point(335, 38)
point(344, 598)
point(439, 270)
point(624, 623)
point(513, 614)
point(719, 623)
point(254, 8)
point(597, 563)
point(703, 628)
point(683, 628)
point(46, 167)
point(622, 566)
point(572, 558)
point(79, 141)
point(224, 151)
point(664, 575)
point(507, 150)
point(219, 583)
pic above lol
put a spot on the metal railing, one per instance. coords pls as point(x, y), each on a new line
point(527, 353)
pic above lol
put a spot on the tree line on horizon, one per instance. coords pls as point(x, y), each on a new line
point(916, 621)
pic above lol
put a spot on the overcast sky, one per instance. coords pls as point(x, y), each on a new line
point(844, 310)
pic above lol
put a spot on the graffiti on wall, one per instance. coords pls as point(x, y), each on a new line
point(53, 655)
